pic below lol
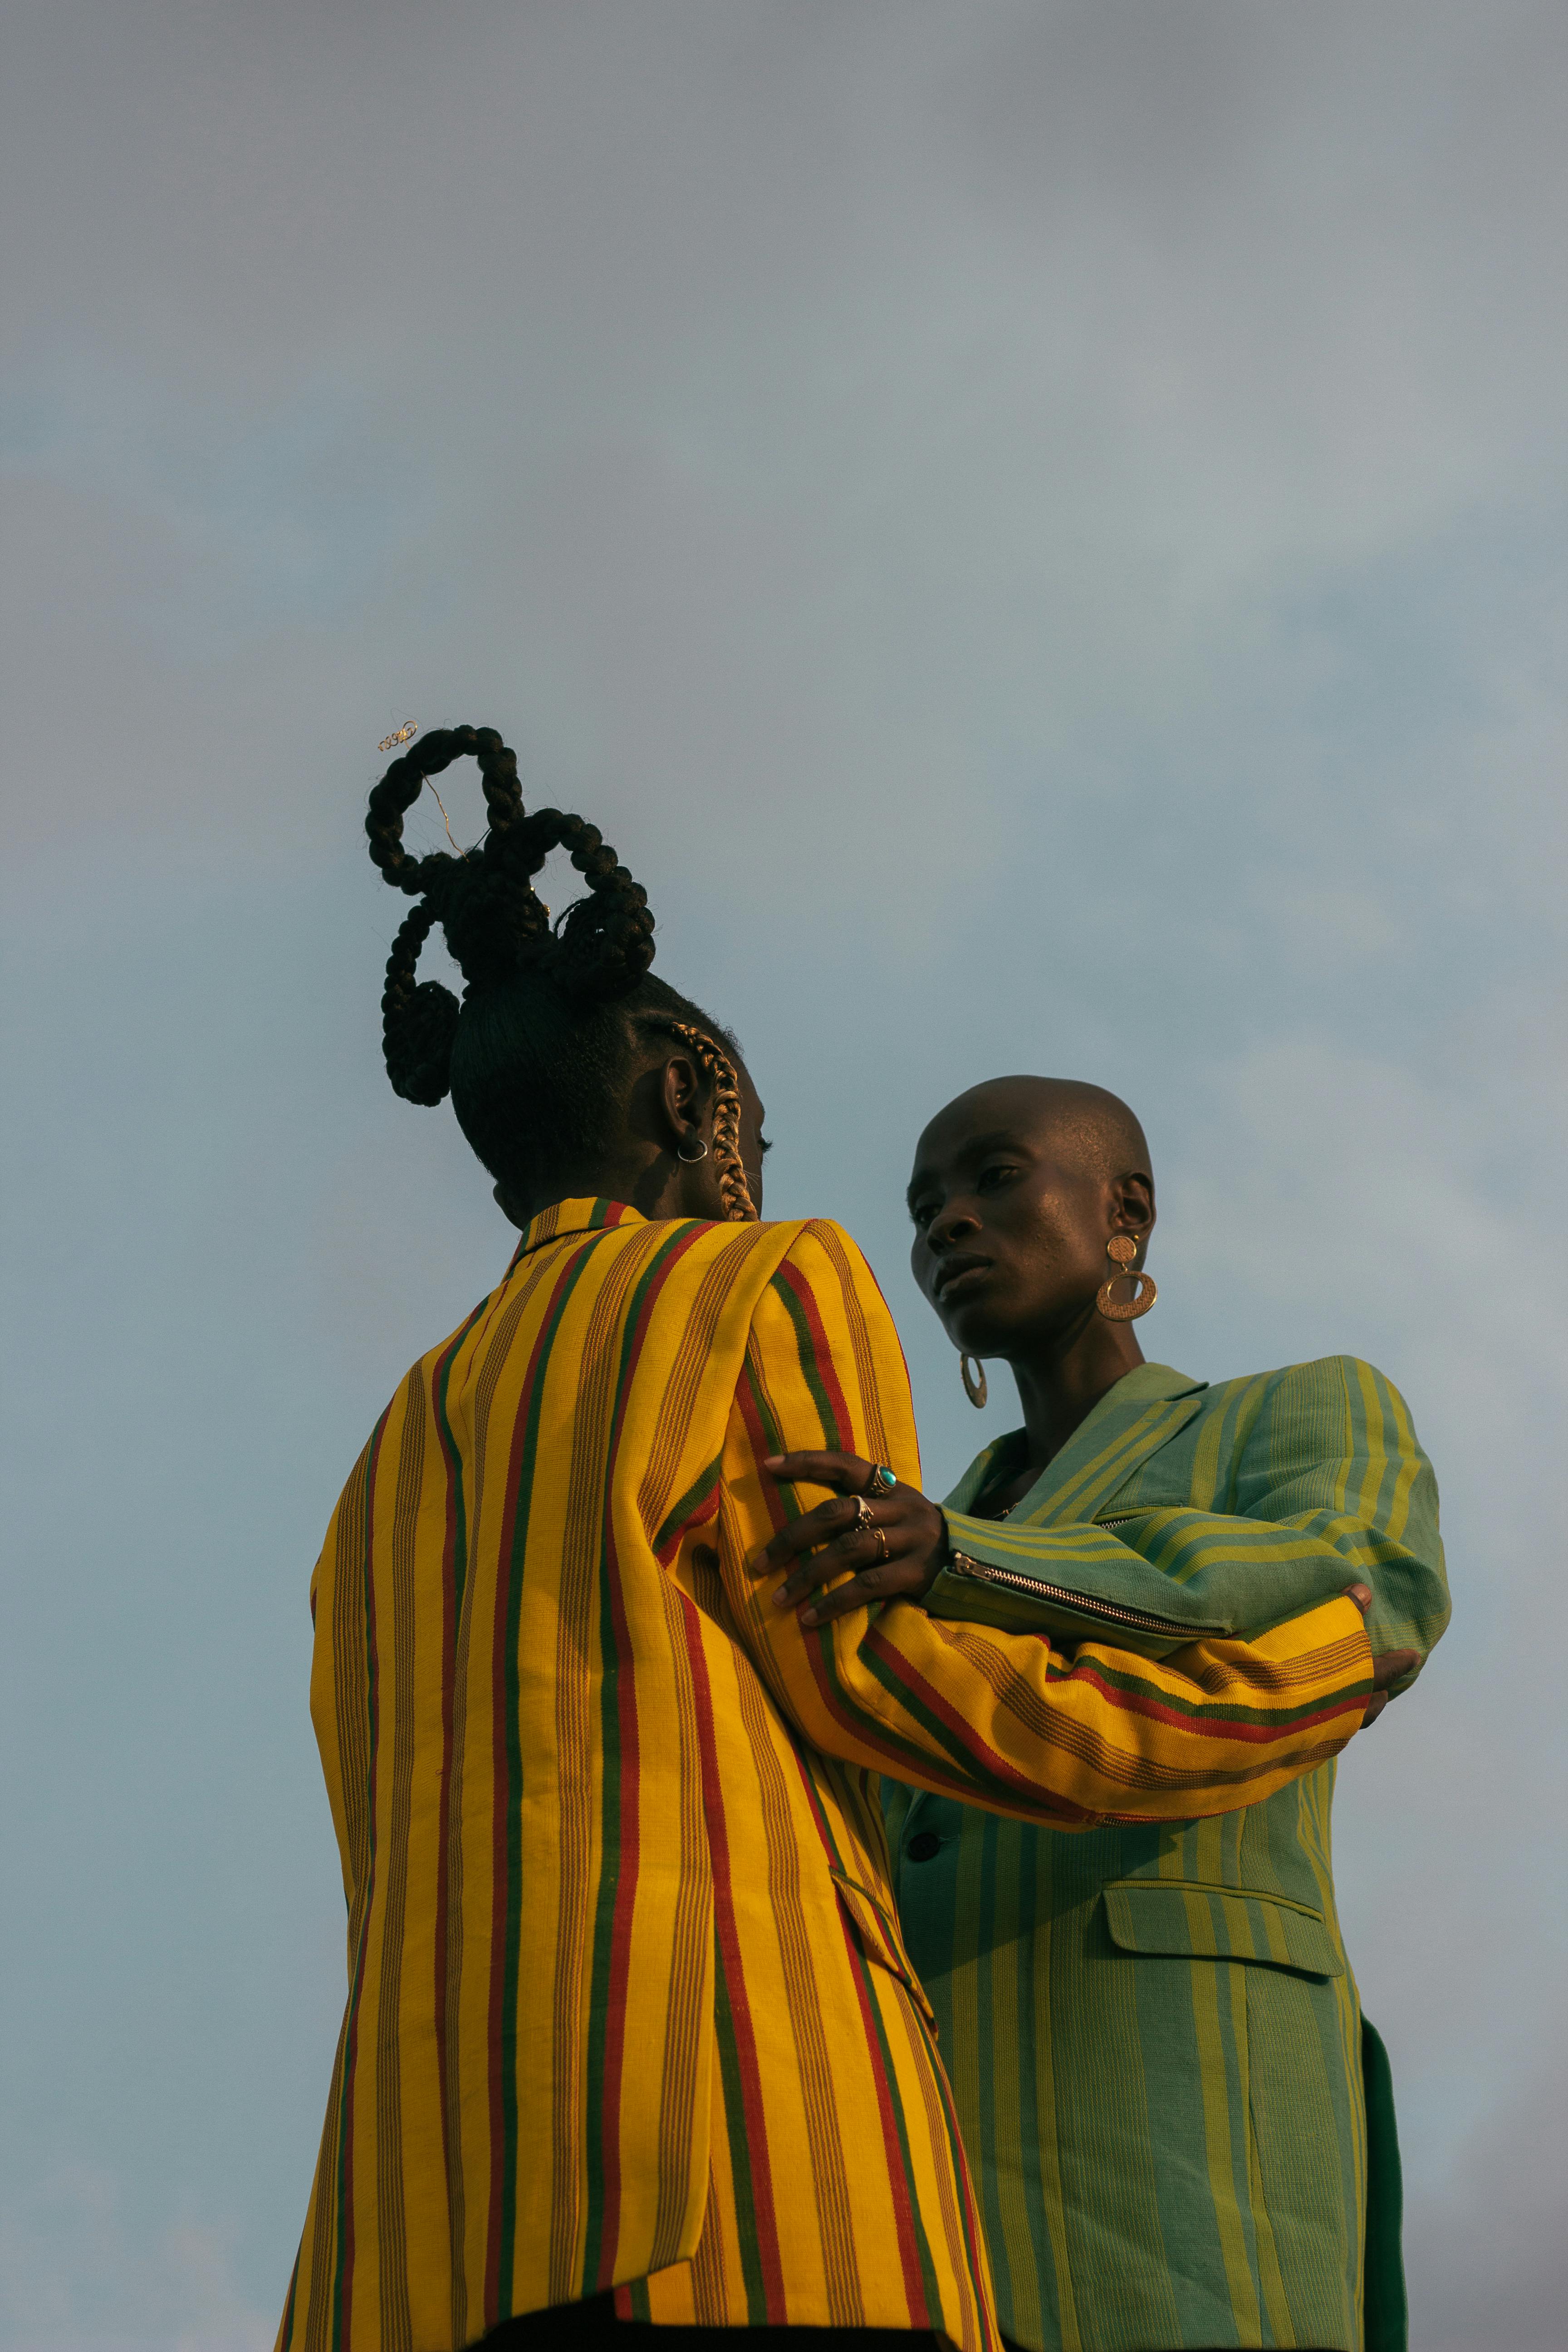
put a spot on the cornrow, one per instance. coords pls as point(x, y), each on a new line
point(733, 1189)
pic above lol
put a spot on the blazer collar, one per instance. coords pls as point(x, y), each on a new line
point(581, 1216)
point(1145, 1409)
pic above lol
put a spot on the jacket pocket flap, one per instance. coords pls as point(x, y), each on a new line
point(1220, 1923)
point(877, 1932)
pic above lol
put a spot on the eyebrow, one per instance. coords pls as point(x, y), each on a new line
point(974, 1147)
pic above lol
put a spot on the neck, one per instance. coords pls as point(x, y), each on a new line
point(1062, 1380)
point(655, 1183)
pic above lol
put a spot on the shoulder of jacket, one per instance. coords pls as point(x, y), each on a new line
point(825, 1232)
point(1320, 1378)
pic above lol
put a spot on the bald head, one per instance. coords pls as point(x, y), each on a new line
point(1090, 1130)
point(1019, 1188)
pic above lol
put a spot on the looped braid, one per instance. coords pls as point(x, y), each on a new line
point(419, 1023)
point(494, 921)
point(733, 1189)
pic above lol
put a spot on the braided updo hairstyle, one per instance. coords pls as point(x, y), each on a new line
point(537, 1055)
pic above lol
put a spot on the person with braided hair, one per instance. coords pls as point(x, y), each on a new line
point(632, 2037)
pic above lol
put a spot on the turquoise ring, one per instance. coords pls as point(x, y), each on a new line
point(882, 1480)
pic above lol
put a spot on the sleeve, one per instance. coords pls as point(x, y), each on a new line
point(1328, 1485)
point(998, 1718)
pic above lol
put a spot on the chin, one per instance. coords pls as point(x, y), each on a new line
point(978, 1334)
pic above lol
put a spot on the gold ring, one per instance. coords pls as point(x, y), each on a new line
point(882, 1536)
point(862, 1519)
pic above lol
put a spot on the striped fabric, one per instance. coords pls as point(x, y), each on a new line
point(1154, 2035)
point(628, 2004)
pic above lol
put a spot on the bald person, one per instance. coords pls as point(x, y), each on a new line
point(1180, 2125)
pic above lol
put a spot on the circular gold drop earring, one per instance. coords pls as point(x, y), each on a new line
point(974, 1387)
point(1124, 1249)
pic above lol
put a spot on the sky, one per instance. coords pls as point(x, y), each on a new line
point(1039, 534)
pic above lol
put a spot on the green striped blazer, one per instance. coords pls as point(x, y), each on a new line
point(1153, 2033)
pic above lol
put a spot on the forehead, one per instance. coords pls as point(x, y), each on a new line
point(986, 1119)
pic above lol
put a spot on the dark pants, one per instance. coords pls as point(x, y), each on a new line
point(592, 2326)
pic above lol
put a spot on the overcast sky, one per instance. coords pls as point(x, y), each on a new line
point(1038, 533)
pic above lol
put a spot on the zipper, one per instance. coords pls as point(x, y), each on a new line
point(1139, 1619)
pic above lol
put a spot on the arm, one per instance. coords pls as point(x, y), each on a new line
point(998, 1718)
point(1328, 1483)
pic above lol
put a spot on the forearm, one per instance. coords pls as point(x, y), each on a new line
point(1007, 1722)
point(1153, 1580)
point(997, 1717)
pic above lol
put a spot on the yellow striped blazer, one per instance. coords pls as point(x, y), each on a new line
point(629, 2006)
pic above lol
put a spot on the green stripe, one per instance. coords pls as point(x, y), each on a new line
point(610, 1796)
point(923, 2246)
point(696, 1493)
point(833, 1437)
point(740, 2145)
point(372, 1455)
point(514, 1782)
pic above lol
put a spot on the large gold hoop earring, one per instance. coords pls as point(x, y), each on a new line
point(1124, 1249)
point(974, 1387)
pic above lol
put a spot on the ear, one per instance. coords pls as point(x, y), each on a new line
point(682, 1098)
point(1132, 1209)
point(509, 1209)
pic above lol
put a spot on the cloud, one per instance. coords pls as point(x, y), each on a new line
point(1037, 530)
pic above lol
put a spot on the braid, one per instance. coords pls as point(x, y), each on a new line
point(494, 920)
point(417, 1023)
point(733, 1189)
point(540, 1053)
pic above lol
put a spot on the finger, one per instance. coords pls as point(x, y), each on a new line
point(883, 1580)
point(804, 1534)
point(1361, 1594)
point(1374, 1707)
point(857, 1548)
point(1392, 1666)
point(846, 1473)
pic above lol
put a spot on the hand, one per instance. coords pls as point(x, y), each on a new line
point(835, 1538)
point(1386, 1669)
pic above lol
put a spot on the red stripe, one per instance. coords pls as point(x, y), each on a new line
point(762, 1446)
point(898, 2178)
point(628, 1860)
point(449, 1679)
point(826, 1370)
point(351, 2053)
point(727, 1932)
point(498, 1814)
point(699, 1518)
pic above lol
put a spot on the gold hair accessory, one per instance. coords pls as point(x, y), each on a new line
point(406, 734)
point(733, 1189)
point(1124, 1249)
point(974, 1387)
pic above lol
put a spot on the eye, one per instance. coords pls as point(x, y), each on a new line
point(763, 1143)
point(920, 1214)
point(996, 1173)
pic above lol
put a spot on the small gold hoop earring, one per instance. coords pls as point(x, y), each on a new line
point(1124, 1249)
point(974, 1387)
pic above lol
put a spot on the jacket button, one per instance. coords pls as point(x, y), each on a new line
point(921, 1848)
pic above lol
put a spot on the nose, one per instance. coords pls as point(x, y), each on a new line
point(955, 1222)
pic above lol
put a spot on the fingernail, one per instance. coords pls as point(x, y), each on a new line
point(809, 1616)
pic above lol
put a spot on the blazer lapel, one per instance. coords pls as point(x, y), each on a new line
point(1141, 1414)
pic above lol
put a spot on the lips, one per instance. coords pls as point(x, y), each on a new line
point(959, 1275)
